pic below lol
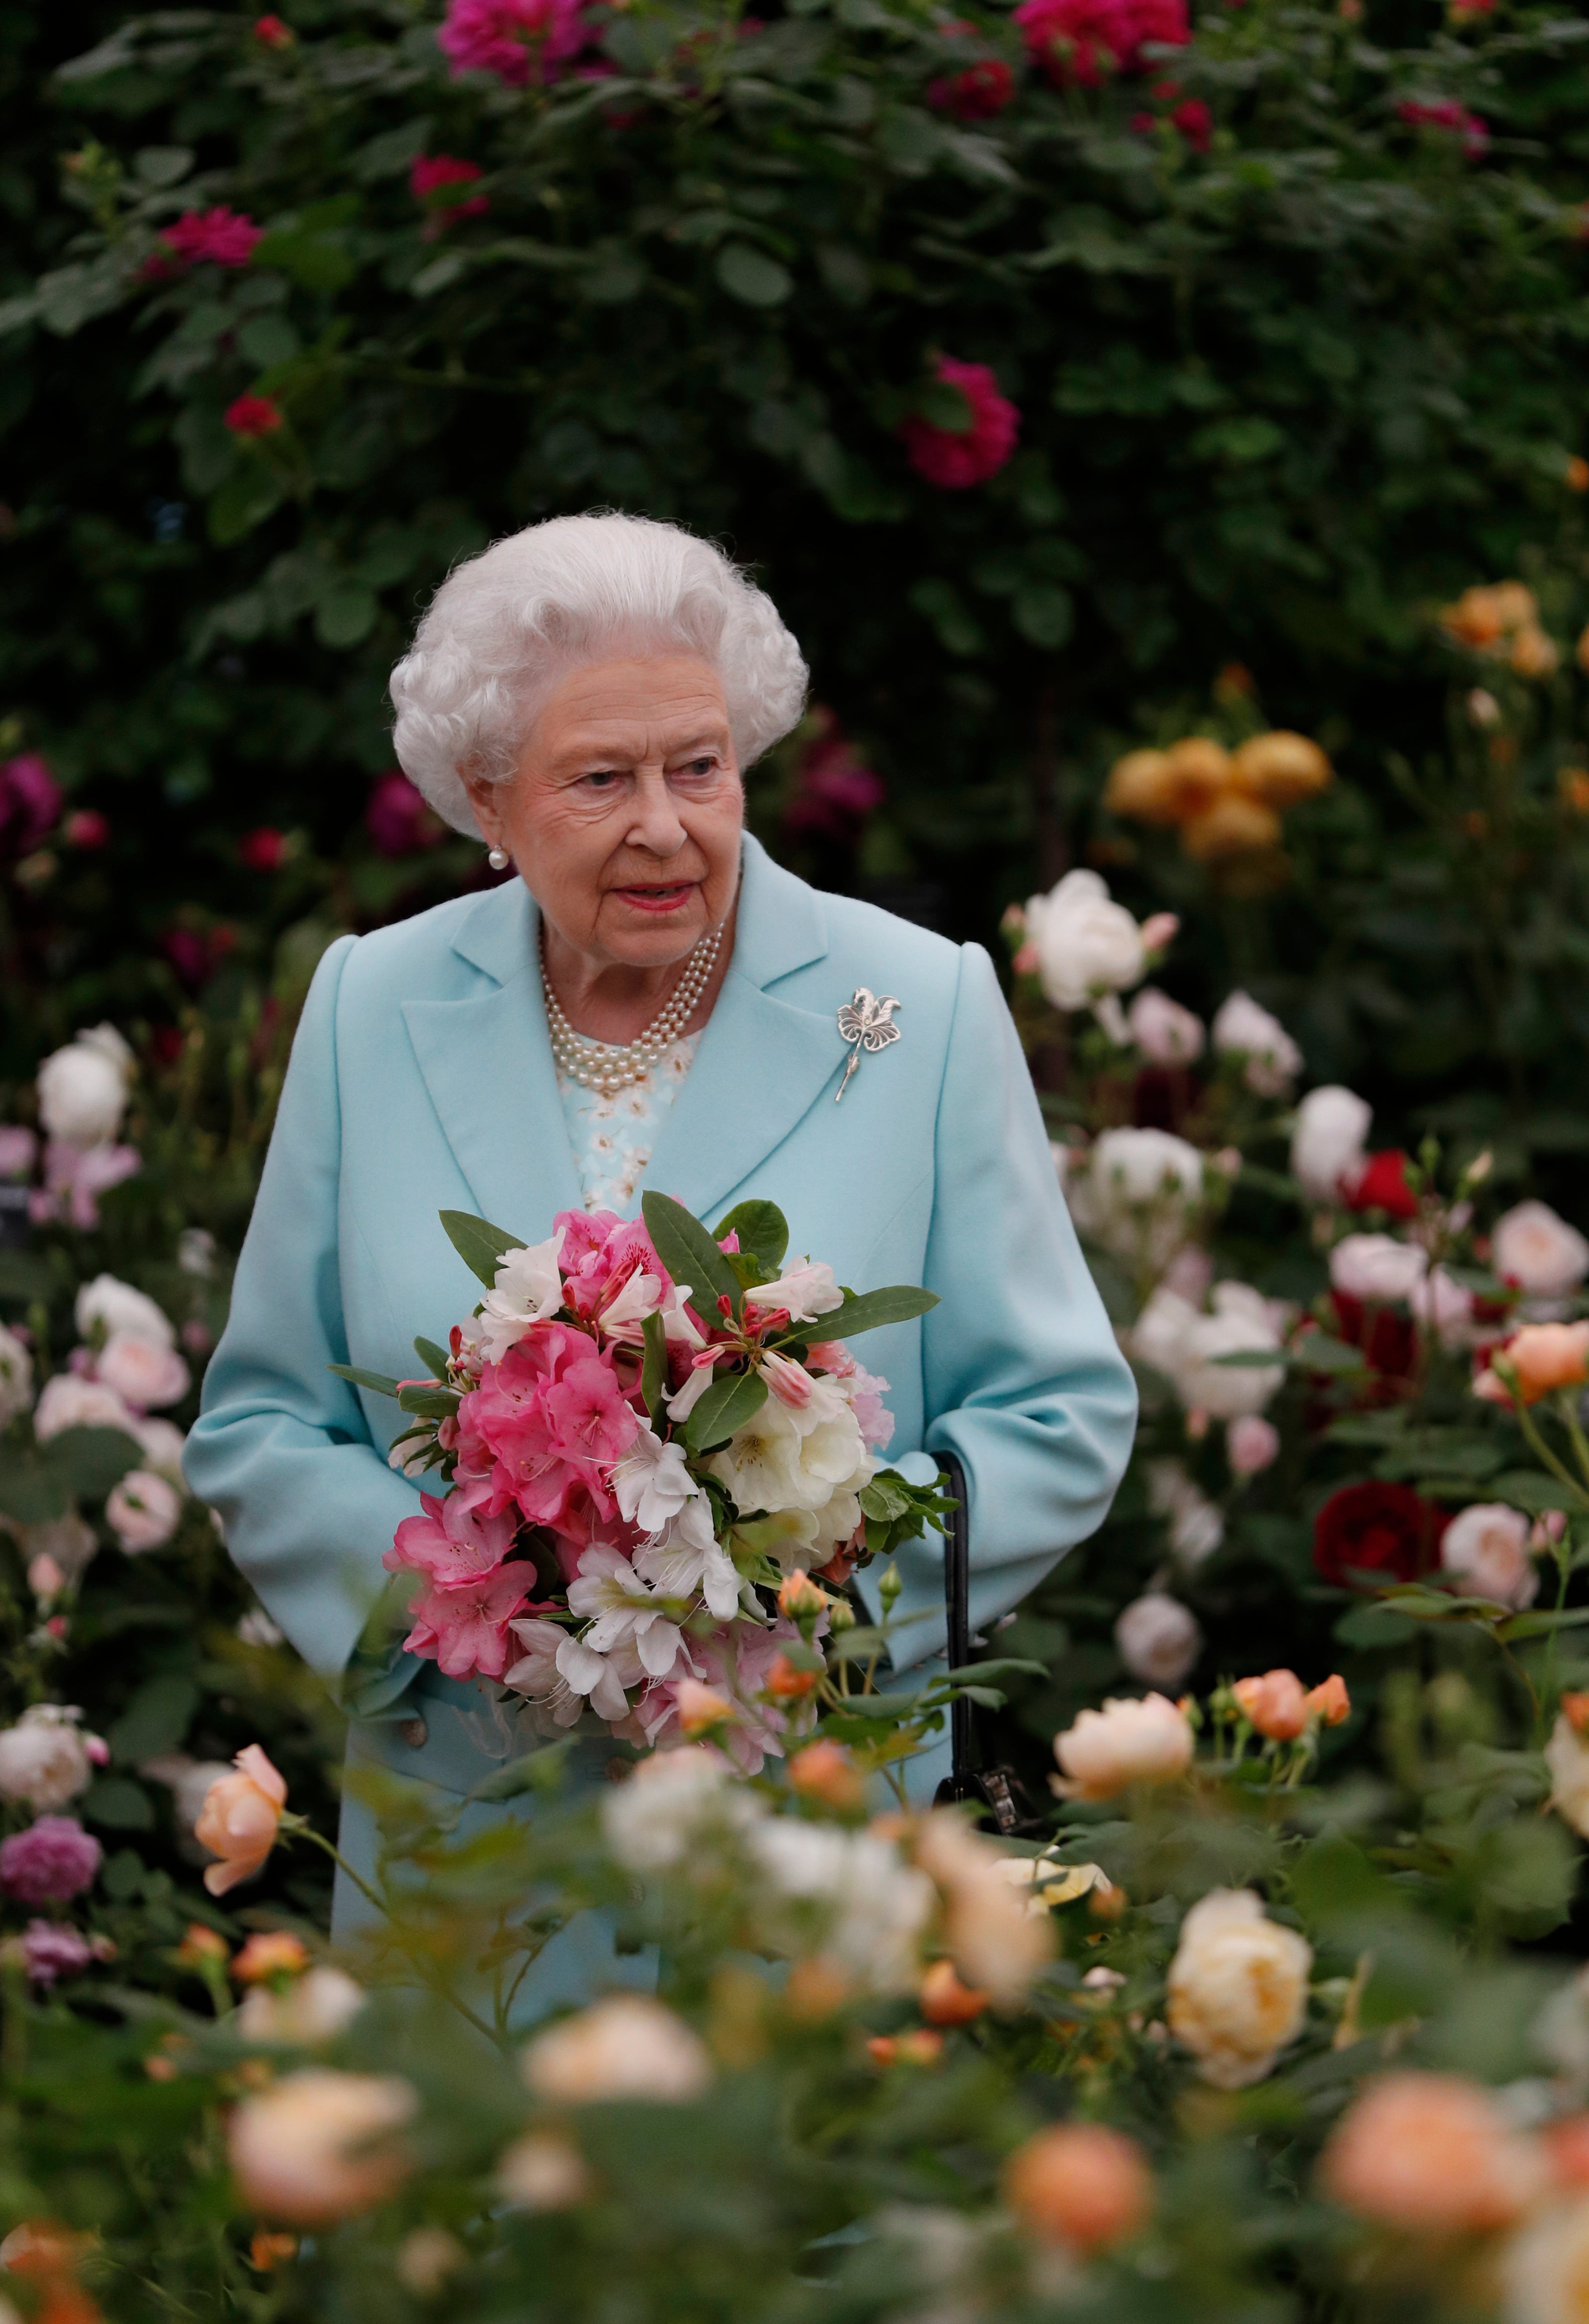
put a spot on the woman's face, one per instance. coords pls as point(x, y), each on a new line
point(624, 814)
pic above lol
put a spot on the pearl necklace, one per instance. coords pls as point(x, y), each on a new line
point(604, 1066)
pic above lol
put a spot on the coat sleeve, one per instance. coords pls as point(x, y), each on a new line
point(1022, 1376)
point(281, 1449)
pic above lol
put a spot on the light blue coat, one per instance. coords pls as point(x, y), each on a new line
point(421, 1080)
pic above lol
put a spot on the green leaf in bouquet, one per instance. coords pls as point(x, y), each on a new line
point(897, 1511)
point(481, 1246)
point(378, 1383)
point(688, 1251)
point(90, 1460)
point(869, 1311)
point(725, 1406)
point(654, 1370)
point(429, 1403)
point(763, 1230)
point(434, 1358)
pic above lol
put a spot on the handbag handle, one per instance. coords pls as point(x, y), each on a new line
point(997, 1790)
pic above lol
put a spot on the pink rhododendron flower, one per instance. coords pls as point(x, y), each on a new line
point(456, 1541)
point(519, 40)
point(541, 1425)
point(430, 173)
point(467, 1628)
point(1080, 41)
point(30, 803)
point(954, 459)
point(221, 237)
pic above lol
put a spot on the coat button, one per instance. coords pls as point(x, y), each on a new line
point(414, 1732)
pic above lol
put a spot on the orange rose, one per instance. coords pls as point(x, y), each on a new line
point(1330, 1704)
point(1233, 825)
point(1541, 1357)
point(785, 1683)
point(271, 1953)
point(944, 2001)
point(1081, 2185)
point(1432, 2155)
point(1275, 1704)
point(825, 1771)
point(1281, 768)
point(239, 1819)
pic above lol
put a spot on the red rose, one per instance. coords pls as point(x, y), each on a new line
point(1382, 1185)
point(253, 415)
point(1388, 1530)
point(265, 850)
point(1388, 1340)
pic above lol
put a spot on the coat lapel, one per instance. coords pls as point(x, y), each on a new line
point(487, 1066)
point(763, 1062)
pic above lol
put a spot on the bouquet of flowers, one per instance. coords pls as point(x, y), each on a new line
point(645, 1439)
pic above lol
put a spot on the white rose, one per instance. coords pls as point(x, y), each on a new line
point(1128, 1741)
point(1186, 1346)
point(1327, 1144)
point(1241, 1028)
point(1376, 1266)
point(142, 1373)
point(848, 1895)
point(1487, 1545)
point(1197, 1526)
point(1567, 1755)
point(16, 1376)
point(1544, 2267)
point(627, 2046)
point(1446, 1308)
point(69, 1401)
point(1087, 946)
point(44, 1757)
point(83, 1088)
point(542, 2172)
point(1159, 1639)
point(1139, 1195)
point(1166, 1033)
point(1238, 1988)
point(142, 1511)
point(117, 1307)
point(1539, 1252)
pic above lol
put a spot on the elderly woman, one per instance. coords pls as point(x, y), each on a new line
point(651, 1004)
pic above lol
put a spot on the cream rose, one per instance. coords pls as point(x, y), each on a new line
point(627, 2046)
point(83, 1088)
point(319, 2146)
point(1238, 1988)
point(111, 1306)
point(996, 1943)
point(1377, 1267)
point(1328, 1143)
point(1128, 1741)
point(1539, 1252)
point(45, 1758)
point(1166, 1033)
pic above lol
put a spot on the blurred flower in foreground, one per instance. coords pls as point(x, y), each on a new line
point(627, 2046)
point(1501, 621)
point(1238, 1988)
point(1081, 2185)
point(398, 820)
point(54, 1860)
point(320, 2147)
point(1430, 2154)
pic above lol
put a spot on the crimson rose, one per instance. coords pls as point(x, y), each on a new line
point(1371, 1528)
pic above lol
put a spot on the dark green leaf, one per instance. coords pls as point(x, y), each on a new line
point(433, 1358)
point(653, 1370)
point(378, 1383)
point(90, 1460)
point(726, 1405)
point(479, 1244)
point(900, 1302)
point(118, 1803)
point(749, 275)
point(1533, 1491)
point(156, 1719)
point(688, 1251)
point(763, 1230)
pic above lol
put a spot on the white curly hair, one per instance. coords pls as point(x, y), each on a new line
point(508, 625)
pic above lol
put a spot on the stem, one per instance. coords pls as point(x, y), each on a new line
point(1557, 1468)
point(307, 1831)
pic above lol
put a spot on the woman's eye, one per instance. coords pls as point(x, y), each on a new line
point(602, 778)
point(698, 767)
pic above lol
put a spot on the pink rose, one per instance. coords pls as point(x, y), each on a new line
point(1251, 1444)
point(224, 237)
point(955, 458)
point(521, 41)
point(142, 1374)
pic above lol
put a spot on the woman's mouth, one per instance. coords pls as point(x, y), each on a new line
point(659, 900)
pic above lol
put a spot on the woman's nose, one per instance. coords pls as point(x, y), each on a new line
point(656, 825)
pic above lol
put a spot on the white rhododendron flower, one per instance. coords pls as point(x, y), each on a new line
point(1539, 1252)
point(1567, 1755)
point(69, 1401)
point(652, 1481)
point(46, 1758)
point(1186, 1346)
point(1486, 1546)
point(800, 1461)
point(1241, 1028)
point(83, 1088)
point(143, 1510)
point(527, 1288)
point(603, 1677)
point(674, 1802)
point(143, 1374)
point(1238, 1988)
point(1130, 1741)
point(847, 1896)
point(808, 1289)
point(1086, 945)
point(1377, 1267)
point(1196, 1525)
point(623, 1610)
point(1166, 1033)
point(627, 2046)
point(1328, 1142)
point(114, 1307)
point(16, 1376)
point(687, 1555)
point(1159, 1639)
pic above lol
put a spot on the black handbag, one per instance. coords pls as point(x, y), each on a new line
point(997, 1790)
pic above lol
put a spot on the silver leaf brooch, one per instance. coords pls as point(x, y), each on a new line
point(866, 1023)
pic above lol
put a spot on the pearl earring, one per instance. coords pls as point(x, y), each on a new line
point(498, 858)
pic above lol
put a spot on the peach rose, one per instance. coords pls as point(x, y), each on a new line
point(1432, 2155)
point(239, 1819)
point(318, 2146)
point(627, 2046)
point(1131, 1741)
point(1329, 1701)
point(1081, 2185)
point(1542, 1357)
point(1275, 1704)
point(944, 2001)
point(825, 1772)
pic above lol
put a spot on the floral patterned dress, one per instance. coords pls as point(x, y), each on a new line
point(614, 1137)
